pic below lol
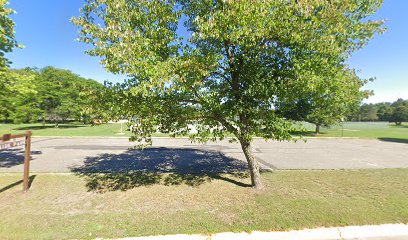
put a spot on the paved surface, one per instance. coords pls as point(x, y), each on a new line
point(166, 155)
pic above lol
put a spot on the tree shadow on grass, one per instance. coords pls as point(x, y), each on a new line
point(399, 126)
point(14, 156)
point(30, 181)
point(61, 126)
point(395, 140)
point(166, 166)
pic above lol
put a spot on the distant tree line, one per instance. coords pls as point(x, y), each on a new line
point(48, 95)
point(396, 112)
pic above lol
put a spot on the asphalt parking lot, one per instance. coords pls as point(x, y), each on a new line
point(167, 155)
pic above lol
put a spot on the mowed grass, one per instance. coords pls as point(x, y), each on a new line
point(67, 129)
point(62, 207)
point(379, 130)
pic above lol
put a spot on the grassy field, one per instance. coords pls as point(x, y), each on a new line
point(381, 130)
point(66, 206)
point(69, 129)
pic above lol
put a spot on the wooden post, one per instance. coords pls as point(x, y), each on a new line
point(27, 161)
point(7, 137)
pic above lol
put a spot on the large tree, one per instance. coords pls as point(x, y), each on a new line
point(222, 65)
point(19, 98)
point(7, 40)
point(400, 111)
point(50, 93)
point(60, 94)
point(385, 111)
point(368, 112)
point(330, 102)
point(8, 80)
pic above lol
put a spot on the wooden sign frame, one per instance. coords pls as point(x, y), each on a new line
point(6, 140)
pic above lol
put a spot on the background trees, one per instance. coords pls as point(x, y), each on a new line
point(368, 112)
point(384, 111)
point(400, 111)
point(239, 60)
point(28, 95)
point(18, 101)
point(60, 94)
point(393, 112)
point(47, 94)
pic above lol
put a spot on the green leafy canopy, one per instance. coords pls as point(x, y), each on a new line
point(240, 60)
point(48, 94)
point(7, 41)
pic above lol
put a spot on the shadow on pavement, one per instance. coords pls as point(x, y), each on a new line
point(395, 140)
point(13, 157)
point(167, 166)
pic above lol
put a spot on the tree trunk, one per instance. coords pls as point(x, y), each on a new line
point(317, 131)
point(252, 164)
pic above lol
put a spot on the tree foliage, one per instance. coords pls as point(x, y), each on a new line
point(368, 112)
point(237, 62)
point(7, 40)
point(400, 112)
point(60, 94)
point(383, 111)
point(49, 94)
point(330, 102)
point(18, 99)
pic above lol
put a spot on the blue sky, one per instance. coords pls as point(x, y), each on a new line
point(43, 27)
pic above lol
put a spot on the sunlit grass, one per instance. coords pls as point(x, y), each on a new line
point(69, 129)
point(63, 206)
point(349, 129)
point(362, 130)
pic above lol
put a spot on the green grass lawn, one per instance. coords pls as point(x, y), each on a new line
point(68, 129)
point(64, 206)
point(381, 130)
